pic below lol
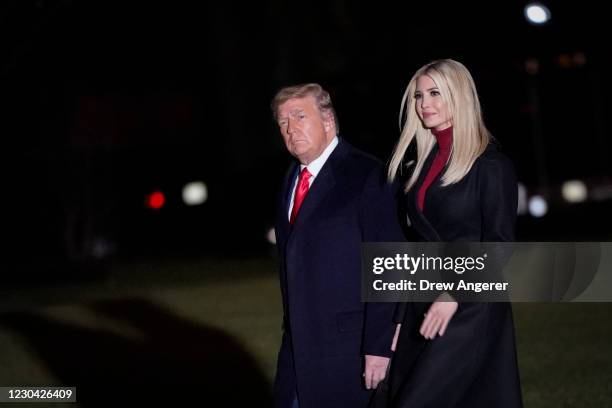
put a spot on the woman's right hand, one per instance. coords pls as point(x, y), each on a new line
point(438, 316)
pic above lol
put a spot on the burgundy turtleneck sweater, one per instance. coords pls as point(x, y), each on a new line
point(445, 143)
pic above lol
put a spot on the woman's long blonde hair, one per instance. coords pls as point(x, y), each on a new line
point(470, 136)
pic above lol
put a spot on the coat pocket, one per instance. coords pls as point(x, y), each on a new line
point(350, 321)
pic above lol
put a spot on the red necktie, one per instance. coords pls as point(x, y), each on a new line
point(300, 193)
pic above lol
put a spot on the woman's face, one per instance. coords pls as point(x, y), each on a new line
point(429, 104)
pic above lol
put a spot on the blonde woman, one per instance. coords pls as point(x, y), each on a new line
point(461, 188)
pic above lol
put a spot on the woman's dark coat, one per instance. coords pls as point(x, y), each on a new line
point(474, 364)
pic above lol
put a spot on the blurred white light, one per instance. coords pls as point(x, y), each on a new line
point(271, 235)
point(538, 207)
point(574, 191)
point(522, 199)
point(537, 13)
point(195, 193)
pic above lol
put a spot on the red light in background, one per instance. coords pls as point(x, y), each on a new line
point(156, 200)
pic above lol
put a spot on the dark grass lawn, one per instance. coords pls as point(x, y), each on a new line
point(171, 331)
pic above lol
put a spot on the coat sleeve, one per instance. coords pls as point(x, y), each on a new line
point(499, 199)
point(379, 223)
point(499, 202)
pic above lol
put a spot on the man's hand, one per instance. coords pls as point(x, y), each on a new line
point(375, 370)
point(395, 336)
point(438, 316)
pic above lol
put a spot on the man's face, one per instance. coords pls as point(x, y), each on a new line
point(305, 130)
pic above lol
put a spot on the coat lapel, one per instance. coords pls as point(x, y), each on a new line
point(285, 199)
point(322, 185)
point(417, 218)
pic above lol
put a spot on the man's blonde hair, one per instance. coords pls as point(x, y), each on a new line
point(320, 95)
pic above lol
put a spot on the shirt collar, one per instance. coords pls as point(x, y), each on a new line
point(316, 165)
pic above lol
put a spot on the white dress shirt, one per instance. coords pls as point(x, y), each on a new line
point(314, 168)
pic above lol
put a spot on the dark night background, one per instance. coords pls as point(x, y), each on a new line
point(104, 102)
